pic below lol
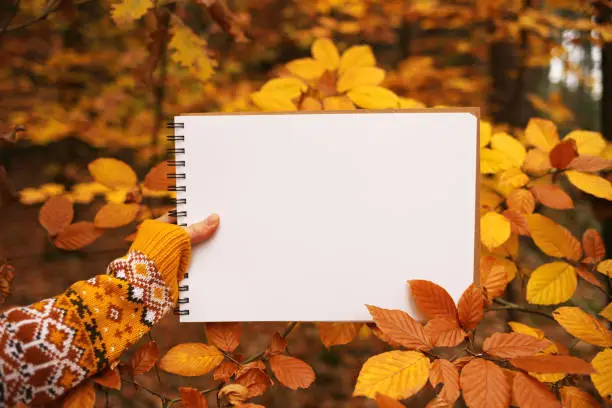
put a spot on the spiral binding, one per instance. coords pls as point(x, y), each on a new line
point(176, 213)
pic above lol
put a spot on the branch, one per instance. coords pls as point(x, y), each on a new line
point(513, 306)
point(51, 8)
point(287, 331)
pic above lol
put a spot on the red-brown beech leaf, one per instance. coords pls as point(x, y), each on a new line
point(432, 300)
point(226, 336)
point(277, 345)
point(254, 379)
point(484, 385)
point(77, 235)
point(530, 393)
point(400, 327)
point(225, 371)
point(518, 222)
point(56, 214)
point(471, 307)
point(446, 373)
point(444, 332)
point(553, 364)
point(144, 358)
point(590, 164)
point(292, 372)
point(562, 154)
point(333, 334)
point(157, 178)
point(192, 398)
point(594, 248)
point(589, 277)
point(493, 276)
point(511, 345)
point(552, 196)
point(110, 378)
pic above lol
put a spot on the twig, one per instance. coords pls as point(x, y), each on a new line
point(163, 398)
point(512, 306)
point(287, 331)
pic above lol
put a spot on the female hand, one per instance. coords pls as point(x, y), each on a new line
point(200, 231)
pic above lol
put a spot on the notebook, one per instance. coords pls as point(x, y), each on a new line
point(323, 213)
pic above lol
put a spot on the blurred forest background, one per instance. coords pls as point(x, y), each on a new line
point(83, 79)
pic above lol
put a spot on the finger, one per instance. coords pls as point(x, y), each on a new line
point(201, 231)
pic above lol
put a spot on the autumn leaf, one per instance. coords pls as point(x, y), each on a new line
point(444, 332)
point(333, 103)
point(113, 173)
point(373, 97)
point(306, 68)
point(277, 345)
point(255, 379)
point(84, 396)
point(432, 300)
point(144, 358)
point(109, 378)
point(552, 196)
point(518, 222)
point(292, 372)
point(493, 276)
point(522, 328)
point(530, 393)
point(562, 154)
point(225, 371)
point(511, 345)
point(590, 183)
point(552, 283)
point(446, 373)
point(287, 88)
point(357, 56)
point(606, 312)
point(552, 364)
point(583, 326)
point(192, 398)
point(605, 267)
point(602, 377)
point(521, 200)
point(590, 164)
point(77, 235)
point(189, 50)
point(126, 11)
point(471, 307)
point(493, 161)
point(400, 327)
point(398, 374)
point(587, 143)
point(114, 215)
point(537, 162)
point(235, 394)
point(594, 248)
point(588, 276)
point(221, 14)
point(484, 385)
point(574, 397)
point(509, 147)
point(494, 229)
point(542, 134)
point(360, 76)
point(384, 401)
point(269, 101)
point(324, 51)
point(226, 336)
point(553, 239)
point(191, 359)
point(157, 178)
point(333, 334)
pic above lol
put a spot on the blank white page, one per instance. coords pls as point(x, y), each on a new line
point(323, 213)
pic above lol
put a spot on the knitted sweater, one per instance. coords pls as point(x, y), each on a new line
point(51, 346)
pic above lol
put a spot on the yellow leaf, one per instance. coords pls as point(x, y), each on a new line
point(511, 179)
point(338, 103)
point(494, 229)
point(583, 326)
point(310, 104)
point(126, 11)
point(552, 283)
point(373, 97)
point(112, 173)
point(357, 56)
point(525, 329)
point(605, 267)
point(360, 76)
point(553, 239)
point(542, 134)
point(397, 374)
point(189, 50)
point(191, 359)
point(485, 133)
point(286, 88)
point(587, 143)
point(324, 51)
point(409, 103)
point(510, 147)
point(269, 101)
point(307, 68)
point(114, 215)
point(493, 161)
point(607, 312)
point(590, 183)
point(603, 378)
point(537, 162)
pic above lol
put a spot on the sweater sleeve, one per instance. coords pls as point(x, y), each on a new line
point(51, 346)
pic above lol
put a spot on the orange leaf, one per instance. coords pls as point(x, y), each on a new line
point(471, 307)
point(384, 401)
point(444, 372)
point(333, 334)
point(144, 358)
point(484, 385)
point(109, 378)
point(594, 248)
point(553, 239)
point(518, 222)
point(157, 178)
point(234, 394)
point(56, 214)
point(225, 371)
point(511, 345)
point(552, 196)
point(278, 344)
point(574, 397)
point(589, 277)
point(521, 201)
point(292, 372)
point(562, 154)
point(226, 336)
point(530, 393)
point(553, 364)
point(493, 276)
point(310, 104)
point(255, 379)
point(432, 300)
point(192, 398)
point(115, 215)
point(77, 235)
point(191, 359)
point(84, 396)
point(590, 164)
point(379, 333)
point(444, 332)
point(400, 327)
point(462, 361)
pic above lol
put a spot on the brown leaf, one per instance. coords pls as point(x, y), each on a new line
point(484, 385)
point(144, 358)
point(552, 196)
point(444, 372)
point(518, 222)
point(277, 345)
point(7, 274)
point(225, 371)
point(521, 201)
point(226, 336)
point(553, 364)
point(379, 333)
point(292, 372)
point(400, 327)
point(333, 334)
point(462, 361)
point(589, 277)
point(493, 276)
point(157, 178)
point(234, 394)
point(77, 235)
point(220, 13)
point(257, 364)
point(192, 398)
point(115, 215)
point(109, 378)
point(563, 153)
point(384, 401)
point(594, 248)
point(255, 379)
point(530, 393)
point(590, 164)
point(432, 300)
point(56, 214)
point(471, 307)
point(83, 396)
point(444, 332)
point(574, 397)
point(511, 345)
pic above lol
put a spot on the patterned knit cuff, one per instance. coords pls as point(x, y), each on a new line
point(169, 247)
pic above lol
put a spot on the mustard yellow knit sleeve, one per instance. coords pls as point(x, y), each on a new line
point(51, 346)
